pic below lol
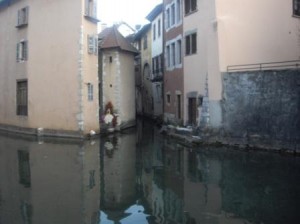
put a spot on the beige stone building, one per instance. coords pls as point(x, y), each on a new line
point(219, 34)
point(49, 66)
point(117, 78)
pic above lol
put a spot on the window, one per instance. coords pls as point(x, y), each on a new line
point(145, 43)
point(22, 51)
point(190, 6)
point(159, 28)
point(172, 14)
point(179, 106)
point(173, 54)
point(168, 18)
point(22, 98)
point(296, 8)
point(179, 52)
point(168, 98)
point(23, 17)
point(178, 11)
point(93, 44)
point(154, 31)
point(90, 91)
point(168, 56)
point(91, 8)
point(191, 44)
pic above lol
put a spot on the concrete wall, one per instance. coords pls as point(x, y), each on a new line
point(58, 67)
point(262, 104)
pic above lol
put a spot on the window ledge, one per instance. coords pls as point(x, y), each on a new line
point(91, 19)
point(296, 16)
point(21, 25)
point(191, 12)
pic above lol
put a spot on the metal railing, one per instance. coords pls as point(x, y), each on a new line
point(264, 66)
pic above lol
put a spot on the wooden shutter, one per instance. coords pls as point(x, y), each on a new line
point(25, 50)
point(90, 44)
point(96, 44)
point(26, 15)
point(18, 52)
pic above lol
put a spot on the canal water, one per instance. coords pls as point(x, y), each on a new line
point(140, 177)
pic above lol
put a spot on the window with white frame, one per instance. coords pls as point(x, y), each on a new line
point(22, 51)
point(154, 31)
point(168, 55)
point(23, 17)
point(173, 15)
point(191, 44)
point(91, 8)
point(92, 44)
point(159, 28)
point(178, 14)
point(174, 53)
point(296, 8)
point(90, 89)
point(179, 54)
point(190, 6)
point(168, 18)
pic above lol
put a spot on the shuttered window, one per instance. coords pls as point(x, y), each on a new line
point(93, 44)
point(23, 17)
point(90, 92)
point(91, 8)
point(22, 51)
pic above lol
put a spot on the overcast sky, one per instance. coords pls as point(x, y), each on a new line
point(131, 11)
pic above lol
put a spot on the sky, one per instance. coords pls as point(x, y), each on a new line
point(132, 12)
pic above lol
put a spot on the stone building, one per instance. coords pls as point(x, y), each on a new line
point(117, 79)
point(48, 67)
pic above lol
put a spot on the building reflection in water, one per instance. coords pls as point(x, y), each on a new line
point(171, 183)
point(49, 182)
point(140, 176)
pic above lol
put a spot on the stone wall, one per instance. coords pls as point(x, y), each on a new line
point(263, 105)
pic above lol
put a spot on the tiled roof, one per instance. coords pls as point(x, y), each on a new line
point(112, 38)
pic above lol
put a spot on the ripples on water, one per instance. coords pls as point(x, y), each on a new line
point(142, 177)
